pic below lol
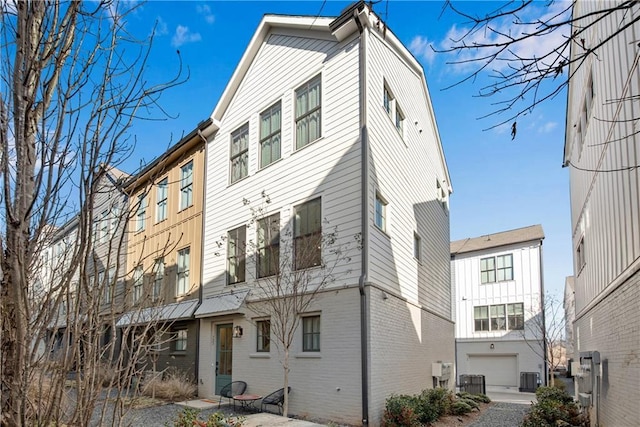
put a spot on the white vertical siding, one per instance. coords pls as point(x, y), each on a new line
point(404, 169)
point(605, 208)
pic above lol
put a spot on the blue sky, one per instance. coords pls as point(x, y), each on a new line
point(499, 184)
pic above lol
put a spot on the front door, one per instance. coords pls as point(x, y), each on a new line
point(224, 356)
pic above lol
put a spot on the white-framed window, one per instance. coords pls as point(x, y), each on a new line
point(236, 242)
point(387, 100)
point(417, 247)
point(141, 213)
point(263, 344)
point(496, 269)
point(138, 280)
point(180, 341)
point(162, 195)
point(380, 214)
point(239, 156)
point(270, 139)
point(103, 233)
point(158, 279)
point(399, 120)
point(268, 250)
point(108, 283)
point(311, 333)
point(308, 112)
point(307, 243)
point(498, 317)
point(182, 282)
point(186, 185)
point(580, 256)
point(392, 107)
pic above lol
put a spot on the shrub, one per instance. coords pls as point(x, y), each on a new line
point(218, 419)
point(472, 403)
point(434, 403)
point(560, 385)
point(401, 411)
point(480, 398)
point(186, 418)
point(554, 408)
point(176, 385)
point(460, 408)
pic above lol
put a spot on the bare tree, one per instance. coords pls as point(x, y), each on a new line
point(73, 84)
point(291, 264)
point(548, 326)
point(523, 49)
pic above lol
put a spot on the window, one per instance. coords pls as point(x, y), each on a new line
point(498, 269)
point(236, 240)
point(104, 227)
point(108, 285)
point(264, 335)
point(186, 185)
point(182, 285)
point(180, 341)
point(515, 316)
point(441, 194)
point(399, 120)
point(268, 262)
point(417, 247)
point(499, 317)
point(307, 224)
point(308, 112)
point(311, 333)
point(380, 213)
point(481, 318)
point(115, 220)
point(141, 212)
point(162, 193)
point(138, 278)
point(240, 153)
point(158, 278)
point(387, 100)
point(270, 135)
point(580, 258)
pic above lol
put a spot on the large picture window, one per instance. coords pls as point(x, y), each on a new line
point(308, 109)
point(307, 234)
point(270, 122)
point(268, 262)
point(499, 317)
point(239, 158)
point(236, 240)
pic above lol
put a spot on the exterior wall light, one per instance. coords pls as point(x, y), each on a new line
point(237, 331)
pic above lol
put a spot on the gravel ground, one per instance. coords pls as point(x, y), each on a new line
point(502, 414)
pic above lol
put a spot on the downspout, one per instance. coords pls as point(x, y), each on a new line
point(544, 320)
point(364, 183)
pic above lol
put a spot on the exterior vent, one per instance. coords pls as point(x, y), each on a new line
point(473, 384)
point(529, 382)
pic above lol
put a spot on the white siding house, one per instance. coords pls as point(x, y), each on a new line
point(601, 152)
point(331, 121)
point(498, 298)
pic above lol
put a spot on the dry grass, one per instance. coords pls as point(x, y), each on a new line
point(175, 386)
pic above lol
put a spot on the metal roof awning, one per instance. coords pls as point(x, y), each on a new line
point(165, 313)
point(221, 304)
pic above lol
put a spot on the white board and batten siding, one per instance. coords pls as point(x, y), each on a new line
point(604, 205)
point(328, 168)
point(470, 292)
point(404, 170)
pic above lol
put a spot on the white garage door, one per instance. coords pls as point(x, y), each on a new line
point(497, 370)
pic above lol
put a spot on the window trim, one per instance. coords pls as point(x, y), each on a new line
point(138, 283)
point(183, 271)
point(489, 319)
point(581, 259)
point(239, 254)
point(186, 183)
point(162, 199)
point(305, 86)
point(271, 246)
point(158, 279)
point(261, 338)
point(312, 333)
point(239, 132)
point(417, 247)
point(495, 269)
point(379, 200)
point(181, 339)
point(269, 137)
point(316, 258)
point(141, 213)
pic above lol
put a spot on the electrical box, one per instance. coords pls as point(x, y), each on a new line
point(587, 373)
point(436, 369)
point(441, 370)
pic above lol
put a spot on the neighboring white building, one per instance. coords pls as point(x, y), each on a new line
point(331, 118)
point(498, 293)
point(569, 305)
point(601, 151)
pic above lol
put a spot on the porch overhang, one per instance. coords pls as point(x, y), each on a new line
point(166, 313)
point(219, 305)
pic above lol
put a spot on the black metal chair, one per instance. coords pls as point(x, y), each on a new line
point(275, 399)
point(234, 388)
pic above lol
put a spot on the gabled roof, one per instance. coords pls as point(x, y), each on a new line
point(503, 238)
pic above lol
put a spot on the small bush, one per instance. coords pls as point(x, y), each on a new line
point(480, 398)
point(218, 419)
point(186, 418)
point(460, 408)
point(560, 385)
point(434, 403)
point(472, 403)
point(189, 418)
point(401, 411)
point(554, 408)
point(176, 385)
